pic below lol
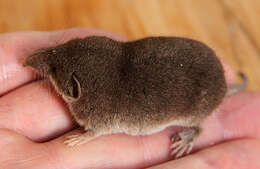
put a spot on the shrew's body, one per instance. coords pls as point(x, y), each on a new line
point(137, 87)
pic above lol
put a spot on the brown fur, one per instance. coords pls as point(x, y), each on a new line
point(136, 87)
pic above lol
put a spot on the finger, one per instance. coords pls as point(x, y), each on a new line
point(114, 151)
point(14, 47)
point(239, 154)
point(18, 152)
point(120, 151)
point(237, 117)
point(35, 111)
point(234, 115)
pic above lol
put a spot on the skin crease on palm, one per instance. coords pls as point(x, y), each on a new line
point(34, 122)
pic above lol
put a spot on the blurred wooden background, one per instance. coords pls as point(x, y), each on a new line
point(231, 27)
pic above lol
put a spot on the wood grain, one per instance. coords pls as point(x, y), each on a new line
point(232, 27)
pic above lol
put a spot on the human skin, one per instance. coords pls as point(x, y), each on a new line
point(34, 122)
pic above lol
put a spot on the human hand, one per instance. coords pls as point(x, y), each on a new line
point(34, 122)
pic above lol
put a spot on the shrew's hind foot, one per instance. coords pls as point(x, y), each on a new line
point(182, 142)
point(79, 139)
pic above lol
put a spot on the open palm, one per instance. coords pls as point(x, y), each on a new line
point(34, 122)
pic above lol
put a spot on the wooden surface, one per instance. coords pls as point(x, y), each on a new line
point(231, 27)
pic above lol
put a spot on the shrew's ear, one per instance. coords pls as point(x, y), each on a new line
point(74, 90)
point(39, 61)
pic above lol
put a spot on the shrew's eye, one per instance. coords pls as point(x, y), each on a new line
point(53, 70)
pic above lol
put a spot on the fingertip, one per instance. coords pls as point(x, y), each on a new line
point(229, 73)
